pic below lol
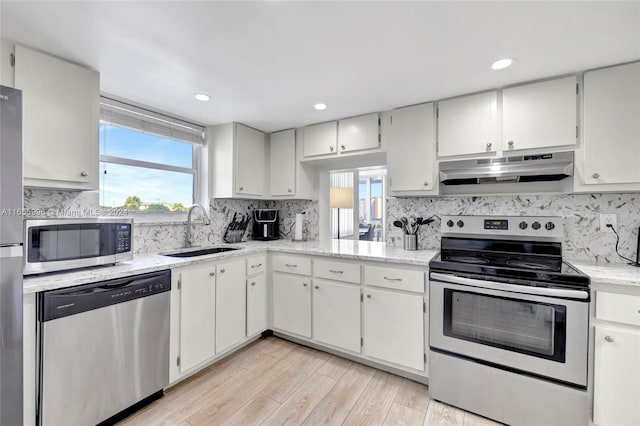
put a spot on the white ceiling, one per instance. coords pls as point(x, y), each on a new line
point(266, 63)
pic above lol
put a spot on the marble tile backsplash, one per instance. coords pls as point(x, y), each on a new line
point(582, 237)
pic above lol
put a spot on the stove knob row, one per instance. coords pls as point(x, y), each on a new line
point(549, 226)
point(450, 223)
point(460, 224)
point(536, 225)
point(523, 225)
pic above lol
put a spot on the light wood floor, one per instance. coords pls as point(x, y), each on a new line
point(276, 382)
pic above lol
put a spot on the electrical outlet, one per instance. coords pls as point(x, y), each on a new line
point(608, 219)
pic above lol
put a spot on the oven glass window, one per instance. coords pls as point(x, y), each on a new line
point(523, 326)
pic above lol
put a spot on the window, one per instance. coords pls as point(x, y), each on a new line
point(369, 208)
point(148, 162)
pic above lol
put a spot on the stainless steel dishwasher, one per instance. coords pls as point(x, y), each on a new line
point(103, 347)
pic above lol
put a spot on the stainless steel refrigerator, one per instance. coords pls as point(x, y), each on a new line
point(10, 256)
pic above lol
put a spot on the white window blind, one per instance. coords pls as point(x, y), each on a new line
point(143, 120)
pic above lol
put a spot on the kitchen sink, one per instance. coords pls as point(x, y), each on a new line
point(200, 252)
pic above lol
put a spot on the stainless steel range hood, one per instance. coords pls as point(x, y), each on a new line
point(521, 168)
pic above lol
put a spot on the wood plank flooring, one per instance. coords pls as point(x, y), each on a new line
point(276, 382)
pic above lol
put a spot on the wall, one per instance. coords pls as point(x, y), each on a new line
point(583, 239)
point(161, 235)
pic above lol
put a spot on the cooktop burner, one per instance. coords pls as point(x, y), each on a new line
point(467, 259)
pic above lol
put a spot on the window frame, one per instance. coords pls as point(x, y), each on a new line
point(143, 115)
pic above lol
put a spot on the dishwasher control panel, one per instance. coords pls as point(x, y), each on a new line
point(74, 300)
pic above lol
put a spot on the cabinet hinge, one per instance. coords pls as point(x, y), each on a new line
point(576, 131)
point(12, 59)
point(392, 119)
point(178, 361)
point(379, 122)
point(361, 297)
point(379, 138)
point(437, 112)
point(390, 182)
point(179, 284)
point(361, 341)
point(424, 307)
point(425, 357)
point(577, 88)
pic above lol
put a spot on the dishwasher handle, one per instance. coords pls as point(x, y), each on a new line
point(70, 301)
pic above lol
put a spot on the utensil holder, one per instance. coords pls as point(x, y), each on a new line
point(410, 242)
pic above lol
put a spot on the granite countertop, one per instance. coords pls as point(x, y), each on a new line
point(144, 263)
point(609, 273)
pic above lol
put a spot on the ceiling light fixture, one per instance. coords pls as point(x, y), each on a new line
point(502, 64)
point(320, 106)
point(202, 97)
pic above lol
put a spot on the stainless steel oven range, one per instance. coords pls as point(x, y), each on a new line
point(509, 321)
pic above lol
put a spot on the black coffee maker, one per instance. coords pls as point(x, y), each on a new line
point(266, 225)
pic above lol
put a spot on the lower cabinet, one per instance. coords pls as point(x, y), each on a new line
point(231, 305)
point(336, 314)
point(292, 304)
point(616, 399)
point(394, 327)
point(257, 305)
point(196, 302)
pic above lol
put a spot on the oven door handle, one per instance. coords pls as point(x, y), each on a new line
point(540, 291)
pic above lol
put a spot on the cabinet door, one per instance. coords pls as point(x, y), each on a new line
point(616, 377)
point(257, 305)
point(411, 150)
point(540, 115)
point(249, 161)
point(283, 163)
point(197, 315)
point(393, 327)
point(60, 121)
point(320, 139)
point(467, 125)
point(359, 133)
point(292, 304)
point(231, 299)
point(336, 314)
point(611, 125)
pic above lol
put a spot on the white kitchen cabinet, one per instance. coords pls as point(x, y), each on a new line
point(231, 304)
point(237, 155)
point(336, 314)
point(283, 163)
point(292, 304)
point(468, 125)
point(358, 133)
point(257, 305)
point(616, 376)
point(611, 149)
point(540, 115)
point(194, 299)
point(411, 151)
point(60, 121)
point(394, 327)
point(320, 139)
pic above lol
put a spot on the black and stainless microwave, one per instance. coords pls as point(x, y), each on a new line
point(60, 244)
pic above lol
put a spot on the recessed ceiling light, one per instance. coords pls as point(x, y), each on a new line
point(320, 106)
point(202, 97)
point(502, 64)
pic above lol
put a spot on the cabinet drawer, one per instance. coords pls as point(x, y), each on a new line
point(396, 278)
point(618, 307)
point(292, 264)
point(339, 271)
point(255, 265)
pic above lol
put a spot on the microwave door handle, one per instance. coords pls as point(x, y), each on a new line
point(538, 291)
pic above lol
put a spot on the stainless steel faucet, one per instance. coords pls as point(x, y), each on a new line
point(205, 220)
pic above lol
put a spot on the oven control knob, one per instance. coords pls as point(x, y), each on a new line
point(450, 223)
point(523, 225)
point(549, 226)
point(535, 225)
point(460, 224)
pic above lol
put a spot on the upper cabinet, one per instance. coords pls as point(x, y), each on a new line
point(283, 163)
point(540, 115)
point(343, 137)
point(358, 133)
point(611, 139)
point(7, 50)
point(467, 125)
point(237, 156)
point(61, 106)
point(320, 139)
point(411, 151)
